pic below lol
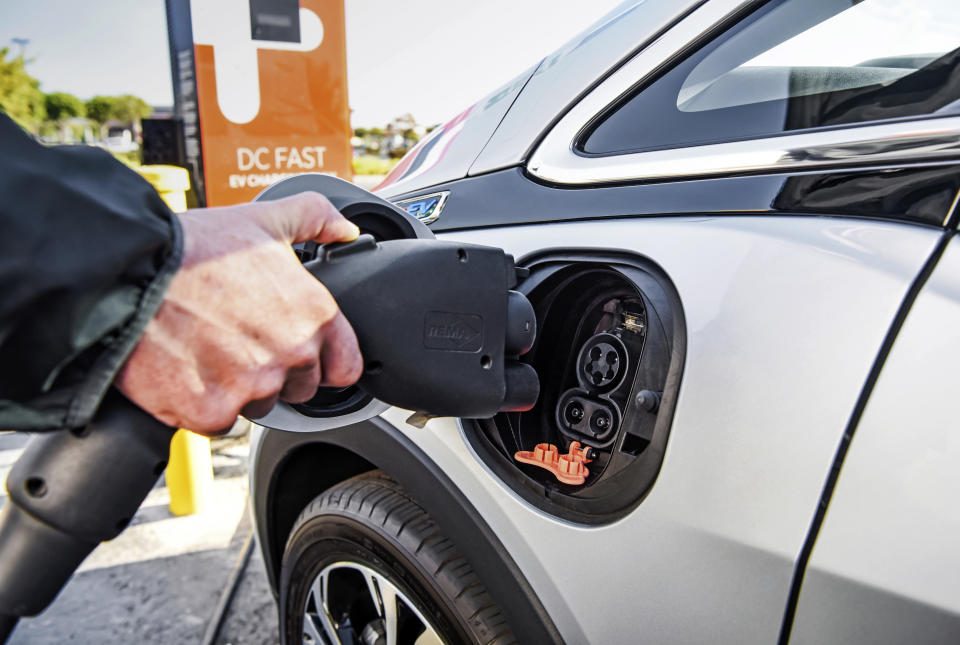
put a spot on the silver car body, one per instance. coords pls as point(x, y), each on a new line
point(891, 531)
point(786, 318)
point(753, 438)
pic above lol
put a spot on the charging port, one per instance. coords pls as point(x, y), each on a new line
point(609, 330)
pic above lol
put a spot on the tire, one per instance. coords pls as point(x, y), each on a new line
point(367, 528)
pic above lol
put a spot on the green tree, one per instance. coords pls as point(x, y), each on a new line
point(61, 106)
point(20, 95)
point(100, 108)
point(130, 109)
point(126, 109)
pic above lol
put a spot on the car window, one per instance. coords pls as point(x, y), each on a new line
point(795, 65)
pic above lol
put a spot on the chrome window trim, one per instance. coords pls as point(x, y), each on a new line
point(952, 210)
point(555, 160)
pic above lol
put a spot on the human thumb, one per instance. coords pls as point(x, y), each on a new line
point(308, 216)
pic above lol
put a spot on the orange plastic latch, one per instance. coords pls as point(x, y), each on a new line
point(568, 468)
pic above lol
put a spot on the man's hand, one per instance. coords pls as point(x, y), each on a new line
point(242, 323)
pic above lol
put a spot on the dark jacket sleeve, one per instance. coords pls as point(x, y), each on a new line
point(87, 249)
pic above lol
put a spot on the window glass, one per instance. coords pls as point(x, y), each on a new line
point(798, 64)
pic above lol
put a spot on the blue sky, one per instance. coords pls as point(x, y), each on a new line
point(431, 58)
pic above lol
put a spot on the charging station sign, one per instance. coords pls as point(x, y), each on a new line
point(261, 86)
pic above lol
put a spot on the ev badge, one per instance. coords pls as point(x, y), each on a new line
point(425, 208)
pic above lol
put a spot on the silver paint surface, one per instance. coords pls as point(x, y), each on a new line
point(784, 317)
point(886, 568)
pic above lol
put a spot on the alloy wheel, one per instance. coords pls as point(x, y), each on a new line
point(352, 604)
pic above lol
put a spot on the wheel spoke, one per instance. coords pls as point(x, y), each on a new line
point(319, 590)
point(311, 636)
point(320, 626)
point(373, 589)
point(384, 596)
point(428, 637)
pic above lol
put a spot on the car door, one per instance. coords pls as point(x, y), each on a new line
point(790, 197)
point(884, 567)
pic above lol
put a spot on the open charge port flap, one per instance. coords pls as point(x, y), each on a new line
point(610, 341)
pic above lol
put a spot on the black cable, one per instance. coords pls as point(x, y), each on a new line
point(226, 598)
point(7, 625)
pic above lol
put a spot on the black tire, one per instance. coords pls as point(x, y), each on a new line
point(369, 520)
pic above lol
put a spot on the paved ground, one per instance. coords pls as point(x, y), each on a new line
point(161, 580)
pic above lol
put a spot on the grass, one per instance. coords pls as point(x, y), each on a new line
point(131, 158)
point(372, 165)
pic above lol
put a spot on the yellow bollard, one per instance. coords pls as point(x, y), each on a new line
point(190, 470)
point(189, 473)
point(172, 182)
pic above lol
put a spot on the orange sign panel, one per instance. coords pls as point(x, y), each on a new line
point(271, 83)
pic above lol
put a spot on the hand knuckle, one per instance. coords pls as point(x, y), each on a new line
point(344, 371)
point(266, 386)
point(304, 356)
point(212, 418)
point(315, 202)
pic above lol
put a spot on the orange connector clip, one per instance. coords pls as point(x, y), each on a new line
point(568, 468)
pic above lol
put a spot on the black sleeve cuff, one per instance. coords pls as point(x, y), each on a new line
point(89, 249)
